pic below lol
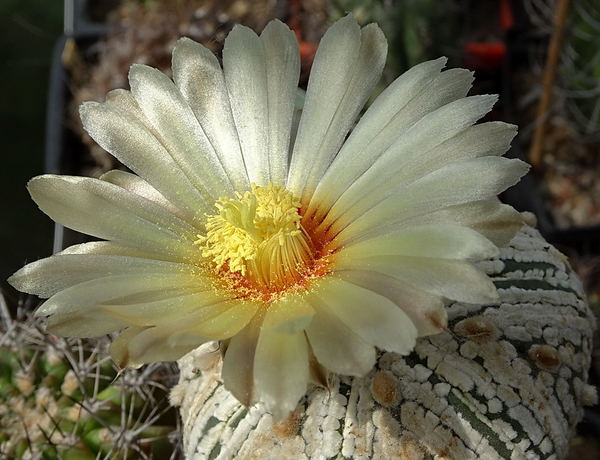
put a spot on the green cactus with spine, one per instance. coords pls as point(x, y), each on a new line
point(64, 399)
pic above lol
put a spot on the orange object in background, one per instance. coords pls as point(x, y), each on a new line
point(489, 56)
point(307, 49)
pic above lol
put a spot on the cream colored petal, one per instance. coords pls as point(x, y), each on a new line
point(119, 351)
point(373, 317)
point(238, 361)
point(218, 322)
point(262, 76)
point(96, 320)
point(199, 77)
point(335, 345)
point(113, 287)
point(139, 186)
point(496, 221)
point(48, 276)
point(427, 311)
point(149, 346)
point(179, 131)
point(282, 56)
point(130, 141)
point(177, 305)
point(417, 92)
point(407, 160)
point(110, 248)
point(452, 279)
point(347, 66)
point(280, 370)
point(485, 139)
point(246, 79)
point(95, 207)
point(93, 323)
point(457, 183)
point(154, 301)
point(169, 341)
point(289, 314)
point(441, 240)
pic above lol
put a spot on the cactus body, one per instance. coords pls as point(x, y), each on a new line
point(506, 382)
point(62, 399)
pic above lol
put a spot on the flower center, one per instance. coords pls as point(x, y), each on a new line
point(259, 235)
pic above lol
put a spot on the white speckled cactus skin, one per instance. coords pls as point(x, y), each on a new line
point(507, 381)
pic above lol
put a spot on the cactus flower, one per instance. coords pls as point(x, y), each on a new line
point(301, 245)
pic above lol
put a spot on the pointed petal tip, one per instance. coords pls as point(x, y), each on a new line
point(86, 105)
point(137, 67)
point(183, 41)
point(87, 110)
point(245, 396)
point(276, 24)
point(184, 47)
point(238, 30)
point(442, 59)
point(41, 312)
point(16, 279)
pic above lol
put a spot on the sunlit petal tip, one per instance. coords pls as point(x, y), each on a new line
point(138, 73)
point(301, 237)
point(21, 280)
point(85, 107)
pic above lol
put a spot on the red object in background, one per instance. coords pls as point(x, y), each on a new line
point(307, 49)
point(484, 56)
point(506, 15)
point(489, 56)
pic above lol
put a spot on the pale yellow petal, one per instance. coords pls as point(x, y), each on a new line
point(199, 77)
point(427, 311)
point(92, 322)
point(371, 316)
point(262, 76)
point(139, 186)
point(238, 361)
point(114, 287)
point(289, 314)
point(131, 142)
point(178, 130)
point(459, 183)
point(496, 221)
point(419, 91)
point(438, 240)
point(169, 341)
point(346, 68)
point(152, 308)
point(47, 277)
point(451, 279)
point(119, 348)
point(280, 370)
point(335, 345)
point(93, 207)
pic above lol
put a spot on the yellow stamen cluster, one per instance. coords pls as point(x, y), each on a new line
point(259, 235)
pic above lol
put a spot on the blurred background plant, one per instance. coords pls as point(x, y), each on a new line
point(567, 156)
point(579, 73)
point(64, 399)
point(94, 57)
